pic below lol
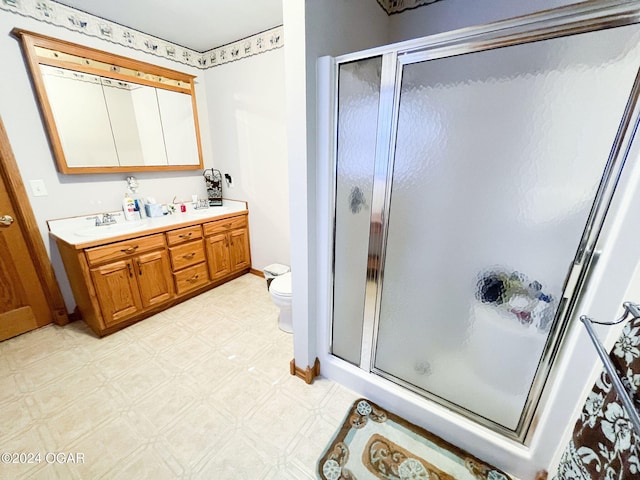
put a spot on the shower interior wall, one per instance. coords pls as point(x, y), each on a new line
point(611, 281)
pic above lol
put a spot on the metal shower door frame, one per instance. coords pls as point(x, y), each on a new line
point(571, 20)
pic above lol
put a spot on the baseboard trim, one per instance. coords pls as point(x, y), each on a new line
point(306, 374)
point(259, 273)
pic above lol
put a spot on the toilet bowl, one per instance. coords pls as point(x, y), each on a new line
point(280, 290)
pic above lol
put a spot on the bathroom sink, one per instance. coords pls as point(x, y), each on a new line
point(200, 212)
point(108, 230)
point(208, 212)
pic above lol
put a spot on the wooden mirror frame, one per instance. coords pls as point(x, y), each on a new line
point(87, 60)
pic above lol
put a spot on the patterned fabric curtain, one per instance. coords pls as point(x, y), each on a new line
point(604, 444)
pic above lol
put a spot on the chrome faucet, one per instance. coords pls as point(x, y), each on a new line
point(201, 204)
point(108, 218)
point(104, 219)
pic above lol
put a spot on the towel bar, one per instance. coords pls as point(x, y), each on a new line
point(629, 309)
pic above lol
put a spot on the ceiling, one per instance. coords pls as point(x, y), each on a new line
point(196, 24)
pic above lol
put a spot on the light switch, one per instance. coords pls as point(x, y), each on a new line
point(38, 188)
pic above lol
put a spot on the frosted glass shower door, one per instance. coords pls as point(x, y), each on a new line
point(498, 156)
point(358, 101)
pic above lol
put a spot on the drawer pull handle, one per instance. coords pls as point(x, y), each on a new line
point(139, 267)
point(227, 225)
point(193, 279)
point(185, 235)
point(130, 271)
point(129, 249)
point(189, 256)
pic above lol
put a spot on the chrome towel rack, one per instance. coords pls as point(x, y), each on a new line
point(631, 311)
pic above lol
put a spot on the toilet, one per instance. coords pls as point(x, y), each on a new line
point(280, 290)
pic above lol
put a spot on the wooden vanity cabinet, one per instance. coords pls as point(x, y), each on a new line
point(116, 291)
point(240, 253)
point(188, 260)
point(219, 255)
point(130, 276)
point(227, 243)
point(118, 283)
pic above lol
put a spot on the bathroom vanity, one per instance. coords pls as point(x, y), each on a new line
point(126, 271)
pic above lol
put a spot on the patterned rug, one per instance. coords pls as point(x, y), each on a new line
point(375, 444)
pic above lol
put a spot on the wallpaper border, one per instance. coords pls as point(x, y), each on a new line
point(398, 6)
point(66, 17)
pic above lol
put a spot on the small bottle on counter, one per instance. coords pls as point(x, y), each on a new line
point(129, 208)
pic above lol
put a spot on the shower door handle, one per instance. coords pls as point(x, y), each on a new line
point(574, 274)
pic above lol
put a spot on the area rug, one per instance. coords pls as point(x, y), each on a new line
point(375, 444)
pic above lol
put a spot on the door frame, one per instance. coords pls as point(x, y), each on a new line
point(26, 221)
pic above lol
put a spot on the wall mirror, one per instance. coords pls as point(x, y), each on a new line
point(106, 113)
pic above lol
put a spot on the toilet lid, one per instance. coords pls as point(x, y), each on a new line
point(281, 285)
point(276, 269)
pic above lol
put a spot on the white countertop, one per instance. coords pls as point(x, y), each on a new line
point(82, 232)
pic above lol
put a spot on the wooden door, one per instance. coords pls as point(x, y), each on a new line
point(154, 278)
point(23, 303)
point(218, 256)
point(117, 291)
point(29, 293)
point(239, 249)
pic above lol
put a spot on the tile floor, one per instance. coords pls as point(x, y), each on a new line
point(201, 390)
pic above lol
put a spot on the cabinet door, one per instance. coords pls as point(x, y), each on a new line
point(117, 291)
point(154, 278)
point(218, 256)
point(240, 254)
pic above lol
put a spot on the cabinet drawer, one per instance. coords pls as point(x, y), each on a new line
point(186, 254)
point(126, 248)
point(191, 278)
point(227, 224)
point(181, 235)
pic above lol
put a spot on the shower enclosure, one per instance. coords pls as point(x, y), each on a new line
point(473, 172)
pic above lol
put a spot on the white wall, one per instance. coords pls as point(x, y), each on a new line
point(314, 29)
point(577, 364)
point(448, 15)
point(71, 195)
point(246, 101)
